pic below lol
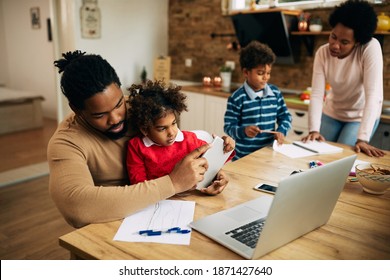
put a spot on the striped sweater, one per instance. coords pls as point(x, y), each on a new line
point(245, 108)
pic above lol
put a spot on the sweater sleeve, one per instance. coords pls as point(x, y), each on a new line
point(80, 200)
point(373, 88)
point(135, 163)
point(232, 117)
point(317, 93)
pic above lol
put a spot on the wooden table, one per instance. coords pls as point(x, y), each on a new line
point(359, 227)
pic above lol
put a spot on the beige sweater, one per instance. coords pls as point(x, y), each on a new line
point(88, 177)
point(357, 87)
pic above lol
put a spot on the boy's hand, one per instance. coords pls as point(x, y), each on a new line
point(252, 130)
point(279, 137)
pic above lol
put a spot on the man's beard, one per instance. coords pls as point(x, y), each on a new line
point(117, 135)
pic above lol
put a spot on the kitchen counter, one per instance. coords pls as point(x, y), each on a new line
point(292, 100)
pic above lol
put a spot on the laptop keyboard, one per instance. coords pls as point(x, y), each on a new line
point(248, 234)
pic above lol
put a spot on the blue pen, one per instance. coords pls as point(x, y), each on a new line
point(312, 164)
point(159, 232)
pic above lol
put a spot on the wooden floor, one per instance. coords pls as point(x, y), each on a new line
point(30, 224)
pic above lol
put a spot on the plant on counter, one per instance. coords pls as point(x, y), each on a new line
point(225, 68)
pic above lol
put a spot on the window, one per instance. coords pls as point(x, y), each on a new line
point(290, 4)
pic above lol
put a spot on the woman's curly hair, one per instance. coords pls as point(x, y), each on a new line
point(152, 101)
point(358, 15)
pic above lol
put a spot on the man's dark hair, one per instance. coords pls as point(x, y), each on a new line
point(359, 16)
point(152, 101)
point(255, 54)
point(84, 76)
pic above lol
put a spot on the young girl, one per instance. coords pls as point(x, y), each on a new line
point(160, 144)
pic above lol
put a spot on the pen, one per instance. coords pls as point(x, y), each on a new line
point(150, 232)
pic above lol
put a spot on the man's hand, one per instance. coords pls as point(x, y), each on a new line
point(218, 185)
point(190, 170)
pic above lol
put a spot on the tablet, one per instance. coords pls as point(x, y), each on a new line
point(216, 158)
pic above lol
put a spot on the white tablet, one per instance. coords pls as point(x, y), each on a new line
point(216, 158)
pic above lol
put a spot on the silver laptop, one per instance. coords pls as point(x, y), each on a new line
point(302, 203)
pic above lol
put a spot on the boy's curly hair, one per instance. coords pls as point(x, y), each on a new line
point(153, 100)
point(255, 54)
point(359, 16)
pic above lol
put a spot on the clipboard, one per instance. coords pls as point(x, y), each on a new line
point(216, 158)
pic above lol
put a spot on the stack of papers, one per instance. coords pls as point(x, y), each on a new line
point(300, 149)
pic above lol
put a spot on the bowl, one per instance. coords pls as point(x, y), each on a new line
point(375, 178)
point(315, 27)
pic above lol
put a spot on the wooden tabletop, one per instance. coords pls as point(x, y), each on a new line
point(359, 227)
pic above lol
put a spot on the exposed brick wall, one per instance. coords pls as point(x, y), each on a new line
point(191, 23)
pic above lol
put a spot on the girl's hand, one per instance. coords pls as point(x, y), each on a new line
point(228, 144)
point(313, 135)
point(371, 151)
point(218, 185)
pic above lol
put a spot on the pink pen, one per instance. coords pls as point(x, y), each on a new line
point(319, 163)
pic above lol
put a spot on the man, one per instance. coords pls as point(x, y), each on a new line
point(87, 153)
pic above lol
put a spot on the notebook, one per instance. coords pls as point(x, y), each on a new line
point(302, 203)
point(319, 147)
point(216, 158)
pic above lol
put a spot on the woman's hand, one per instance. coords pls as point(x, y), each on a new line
point(371, 151)
point(313, 135)
point(218, 185)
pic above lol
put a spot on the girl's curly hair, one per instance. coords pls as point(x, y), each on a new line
point(152, 101)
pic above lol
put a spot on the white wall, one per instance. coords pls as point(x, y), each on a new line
point(29, 54)
point(3, 57)
point(134, 33)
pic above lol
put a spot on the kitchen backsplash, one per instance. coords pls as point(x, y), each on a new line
point(191, 23)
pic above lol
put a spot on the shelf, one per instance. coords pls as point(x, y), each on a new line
point(308, 38)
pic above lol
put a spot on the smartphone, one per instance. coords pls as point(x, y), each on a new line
point(266, 188)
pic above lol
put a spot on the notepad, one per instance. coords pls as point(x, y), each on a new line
point(299, 149)
point(216, 158)
point(318, 147)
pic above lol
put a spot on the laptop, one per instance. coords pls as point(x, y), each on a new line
point(303, 202)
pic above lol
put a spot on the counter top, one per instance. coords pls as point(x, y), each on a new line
point(292, 100)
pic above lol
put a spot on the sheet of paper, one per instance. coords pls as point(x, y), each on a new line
point(291, 150)
point(320, 147)
point(358, 161)
point(161, 216)
point(216, 158)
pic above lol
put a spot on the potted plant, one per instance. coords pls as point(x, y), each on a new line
point(225, 73)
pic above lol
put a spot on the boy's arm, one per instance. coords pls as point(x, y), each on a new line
point(284, 117)
point(232, 117)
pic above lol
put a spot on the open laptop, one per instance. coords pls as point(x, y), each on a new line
point(302, 203)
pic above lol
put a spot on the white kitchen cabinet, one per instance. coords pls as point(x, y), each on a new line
point(215, 108)
point(300, 125)
point(193, 119)
point(205, 112)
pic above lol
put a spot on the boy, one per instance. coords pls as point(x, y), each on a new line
point(254, 110)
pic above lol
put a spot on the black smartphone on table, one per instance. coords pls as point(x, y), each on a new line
point(265, 188)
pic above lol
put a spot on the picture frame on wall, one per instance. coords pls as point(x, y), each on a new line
point(35, 18)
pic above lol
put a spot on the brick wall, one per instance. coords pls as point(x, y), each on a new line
point(191, 22)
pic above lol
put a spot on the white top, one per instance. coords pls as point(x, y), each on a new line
point(357, 87)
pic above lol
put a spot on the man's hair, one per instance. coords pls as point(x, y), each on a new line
point(152, 101)
point(255, 54)
point(359, 16)
point(84, 76)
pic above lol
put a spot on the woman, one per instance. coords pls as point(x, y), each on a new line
point(351, 62)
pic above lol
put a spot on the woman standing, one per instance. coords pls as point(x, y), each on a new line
point(351, 62)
